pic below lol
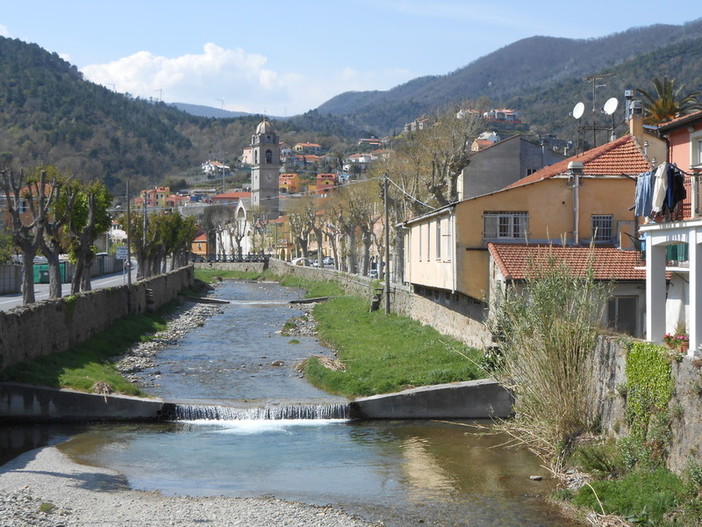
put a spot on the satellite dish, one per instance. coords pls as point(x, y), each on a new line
point(578, 110)
point(611, 106)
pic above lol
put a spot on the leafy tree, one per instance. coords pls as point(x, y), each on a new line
point(89, 218)
point(668, 101)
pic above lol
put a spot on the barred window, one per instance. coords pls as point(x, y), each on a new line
point(602, 228)
point(509, 225)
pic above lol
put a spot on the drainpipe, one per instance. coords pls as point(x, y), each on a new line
point(575, 168)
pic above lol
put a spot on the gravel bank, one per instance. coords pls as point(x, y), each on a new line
point(78, 495)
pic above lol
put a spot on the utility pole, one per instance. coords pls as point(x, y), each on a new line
point(387, 245)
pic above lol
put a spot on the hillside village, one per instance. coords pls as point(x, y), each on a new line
point(439, 220)
point(519, 201)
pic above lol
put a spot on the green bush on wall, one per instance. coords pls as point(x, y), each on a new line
point(649, 388)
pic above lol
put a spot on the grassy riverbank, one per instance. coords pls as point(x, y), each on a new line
point(379, 353)
point(384, 353)
point(89, 364)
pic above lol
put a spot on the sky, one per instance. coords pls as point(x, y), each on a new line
point(284, 58)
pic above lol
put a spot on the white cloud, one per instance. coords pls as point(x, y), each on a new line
point(4, 32)
point(238, 77)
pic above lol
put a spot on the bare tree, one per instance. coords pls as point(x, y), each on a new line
point(28, 202)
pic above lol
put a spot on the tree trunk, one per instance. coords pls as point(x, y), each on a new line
point(52, 257)
point(28, 277)
point(85, 282)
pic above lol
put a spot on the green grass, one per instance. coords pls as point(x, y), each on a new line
point(642, 497)
point(385, 353)
point(89, 363)
point(313, 288)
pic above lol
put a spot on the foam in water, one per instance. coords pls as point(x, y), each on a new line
point(184, 412)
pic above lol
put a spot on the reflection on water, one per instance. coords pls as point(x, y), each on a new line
point(401, 469)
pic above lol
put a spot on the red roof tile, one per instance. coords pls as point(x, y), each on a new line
point(621, 156)
point(608, 263)
point(680, 121)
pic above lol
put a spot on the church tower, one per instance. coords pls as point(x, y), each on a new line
point(265, 150)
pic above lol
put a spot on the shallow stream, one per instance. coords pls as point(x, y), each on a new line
point(400, 472)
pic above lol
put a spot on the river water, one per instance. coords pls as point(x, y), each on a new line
point(400, 472)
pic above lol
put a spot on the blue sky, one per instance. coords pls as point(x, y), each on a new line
point(293, 56)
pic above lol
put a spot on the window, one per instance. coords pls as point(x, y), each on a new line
point(428, 241)
point(621, 314)
point(506, 225)
point(419, 242)
point(269, 156)
point(438, 239)
point(602, 228)
point(696, 149)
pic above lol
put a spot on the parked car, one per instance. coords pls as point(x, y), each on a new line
point(304, 262)
point(373, 273)
point(328, 260)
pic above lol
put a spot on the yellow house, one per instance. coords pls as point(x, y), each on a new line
point(289, 183)
point(583, 199)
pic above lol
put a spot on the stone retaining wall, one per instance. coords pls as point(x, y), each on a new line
point(685, 405)
point(51, 326)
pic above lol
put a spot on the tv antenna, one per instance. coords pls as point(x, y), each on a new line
point(598, 81)
point(577, 113)
point(609, 108)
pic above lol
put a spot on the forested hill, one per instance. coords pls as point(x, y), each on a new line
point(50, 115)
point(537, 64)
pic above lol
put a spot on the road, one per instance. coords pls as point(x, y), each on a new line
point(41, 291)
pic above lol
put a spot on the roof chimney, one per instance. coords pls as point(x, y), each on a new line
point(636, 127)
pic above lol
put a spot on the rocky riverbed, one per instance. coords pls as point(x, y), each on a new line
point(142, 356)
point(44, 488)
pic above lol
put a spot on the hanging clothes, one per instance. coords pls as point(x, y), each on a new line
point(643, 200)
point(660, 189)
point(676, 192)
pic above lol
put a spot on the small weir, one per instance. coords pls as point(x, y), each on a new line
point(186, 412)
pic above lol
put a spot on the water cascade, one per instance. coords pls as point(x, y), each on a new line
point(186, 412)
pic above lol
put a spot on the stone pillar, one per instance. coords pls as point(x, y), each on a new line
point(694, 325)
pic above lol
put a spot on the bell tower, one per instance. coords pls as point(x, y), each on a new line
point(265, 149)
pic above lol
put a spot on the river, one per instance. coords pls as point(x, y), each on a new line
point(400, 472)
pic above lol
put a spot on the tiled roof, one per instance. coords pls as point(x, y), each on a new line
point(621, 156)
point(680, 121)
point(232, 195)
point(608, 263)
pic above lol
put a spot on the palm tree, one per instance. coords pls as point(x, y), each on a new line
point(668, 102)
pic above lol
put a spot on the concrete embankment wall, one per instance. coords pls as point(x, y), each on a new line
point(481, 399)
point(23, 403)
point(51, 326)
